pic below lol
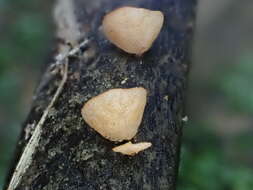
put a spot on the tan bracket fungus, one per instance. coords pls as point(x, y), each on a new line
point(132, 149)
point(133, 29)
point(117, 113)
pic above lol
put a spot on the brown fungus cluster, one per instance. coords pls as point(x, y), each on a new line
point(117, 113)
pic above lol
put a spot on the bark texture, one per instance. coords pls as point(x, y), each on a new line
point(70, 155)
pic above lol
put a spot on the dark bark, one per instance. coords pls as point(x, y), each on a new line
point(70, 155)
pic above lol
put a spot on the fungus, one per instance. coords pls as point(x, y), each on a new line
point(117, 113)
point(133, 29)
point(132, 149)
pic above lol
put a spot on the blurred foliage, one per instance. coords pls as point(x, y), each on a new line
point(236, 85)
point(204, 163)
point(26, 33)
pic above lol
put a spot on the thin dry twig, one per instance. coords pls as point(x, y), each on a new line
point(72, 52)
point(26, 157)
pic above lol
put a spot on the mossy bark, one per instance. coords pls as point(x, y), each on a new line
point(70, 155)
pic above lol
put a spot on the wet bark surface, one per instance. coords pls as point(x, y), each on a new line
point(71, 155)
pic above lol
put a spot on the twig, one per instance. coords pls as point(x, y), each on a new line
point(26, 157)
point(72, 52)
point(53, 69)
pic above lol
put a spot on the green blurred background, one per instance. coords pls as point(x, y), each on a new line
point(216, 152)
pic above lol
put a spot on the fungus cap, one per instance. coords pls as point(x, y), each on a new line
point(133, 29)
point(117, 113)
point(132, 149)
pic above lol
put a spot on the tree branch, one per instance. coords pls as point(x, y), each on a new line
point(68, 154)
